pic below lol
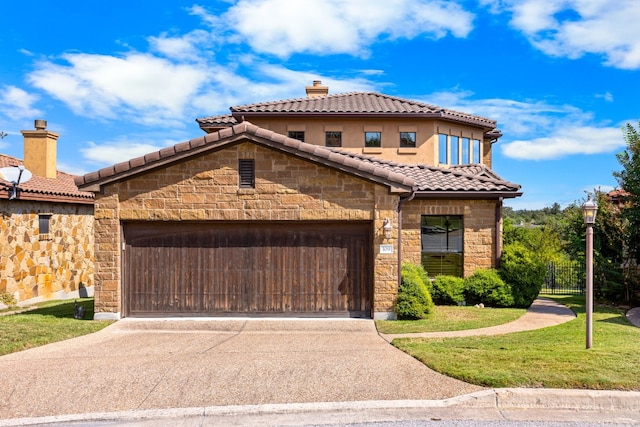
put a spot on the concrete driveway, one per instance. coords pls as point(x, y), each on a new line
point(151, 364)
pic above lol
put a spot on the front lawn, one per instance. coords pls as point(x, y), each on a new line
point(451, 318)
point(553, 357)
point(51, 321)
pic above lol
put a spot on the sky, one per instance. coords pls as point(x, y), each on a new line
point(121, 79)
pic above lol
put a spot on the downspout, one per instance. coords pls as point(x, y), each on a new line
point(498, 232)
point(400, 203)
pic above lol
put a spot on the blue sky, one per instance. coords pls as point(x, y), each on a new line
point(119, 79)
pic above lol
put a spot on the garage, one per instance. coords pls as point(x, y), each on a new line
point(247, 268)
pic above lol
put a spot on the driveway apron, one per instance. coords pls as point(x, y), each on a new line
point(151, 364)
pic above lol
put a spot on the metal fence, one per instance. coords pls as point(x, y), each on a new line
point(565, 278)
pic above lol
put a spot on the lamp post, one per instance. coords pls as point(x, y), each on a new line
point(589, 210)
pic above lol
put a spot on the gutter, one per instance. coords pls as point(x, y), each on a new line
point(402, 201)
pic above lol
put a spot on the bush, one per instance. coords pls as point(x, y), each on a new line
point(485, 286)
point(524, 271)
point(414, 301)
point(8, 299)
point(448, 290)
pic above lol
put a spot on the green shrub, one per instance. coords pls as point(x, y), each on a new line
point(485, 286)
point(8, 299)
point(414, 300)
point(524, 271)
point(447, 290)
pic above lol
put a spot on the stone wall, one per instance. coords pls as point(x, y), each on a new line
point(36, 267)
point(479, 219)
point(205, 188)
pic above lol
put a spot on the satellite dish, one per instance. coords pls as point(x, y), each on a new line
point(15, 175)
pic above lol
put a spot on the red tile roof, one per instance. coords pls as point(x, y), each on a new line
point(432, 180)
point(351, 104)
point(465, 181)
point(61, 189)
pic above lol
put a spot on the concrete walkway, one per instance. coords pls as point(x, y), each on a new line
point(633, 316)
point(542, 313)
point(270, 372)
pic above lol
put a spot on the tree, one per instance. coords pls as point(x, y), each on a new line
point(629, 180)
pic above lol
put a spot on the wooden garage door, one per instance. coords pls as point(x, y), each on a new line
point(246, 268)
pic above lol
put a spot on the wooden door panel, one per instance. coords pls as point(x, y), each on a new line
point(216, 269)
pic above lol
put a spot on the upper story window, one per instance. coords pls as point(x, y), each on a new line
point(246, 173)
point(407, 139)
point(455, 150)
point(297, 134)
point(333, 139)
point(373, 139)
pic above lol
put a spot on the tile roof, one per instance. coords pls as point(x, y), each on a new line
point(351, 104)
point(61, 189)
point(238, 133)
point(462, 180)
point(432, 180)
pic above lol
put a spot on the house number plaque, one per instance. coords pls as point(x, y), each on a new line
point(386, 249)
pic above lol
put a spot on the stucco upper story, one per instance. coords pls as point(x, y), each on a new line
point(374, 124)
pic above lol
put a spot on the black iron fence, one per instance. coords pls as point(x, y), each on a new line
point(565, 278)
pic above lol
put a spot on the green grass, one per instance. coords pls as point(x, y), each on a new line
point(51, 321)
point(553, 357)
point(451, 318)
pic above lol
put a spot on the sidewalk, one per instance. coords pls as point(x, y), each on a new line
point(633, 316)
point(542, 313)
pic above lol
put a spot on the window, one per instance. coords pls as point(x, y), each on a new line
point(333, 139)
point(442, 243)
point(466, 154)
point(43, 223)
point(246, 173)
point(476, 151)
point(373, 139)
point(443, 149)
point(297, 134)
point(455, 150)
point(408, 139)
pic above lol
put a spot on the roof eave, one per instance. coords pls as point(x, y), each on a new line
point(240, 116)
point(477, 194)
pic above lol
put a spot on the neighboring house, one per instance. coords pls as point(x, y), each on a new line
point(299, 207)
point(46, 231)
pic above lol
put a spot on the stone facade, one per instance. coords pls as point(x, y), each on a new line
point(481, 229)
point(34, 266)
point(205, 188)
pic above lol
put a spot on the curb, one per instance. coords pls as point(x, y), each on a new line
point(497, 399)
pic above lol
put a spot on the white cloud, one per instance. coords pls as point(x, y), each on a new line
point(565, 142)
point(118, 151)
point(17, 104)
point(537, 130)
point(573, 28)
point(188, 47)
point(283, 27)
point(144, 87)
point(607, 96)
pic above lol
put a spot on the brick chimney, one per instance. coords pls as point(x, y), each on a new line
point(40, 148)
point(317, 89)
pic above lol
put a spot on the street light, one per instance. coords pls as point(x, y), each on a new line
point(589, 210)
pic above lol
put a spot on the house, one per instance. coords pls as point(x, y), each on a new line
point(46, 226)
point(298, 207)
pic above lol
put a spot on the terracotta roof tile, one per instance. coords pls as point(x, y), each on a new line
point(353, 103)
point(462, 178)
point(59, 189)
point(421, 178)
